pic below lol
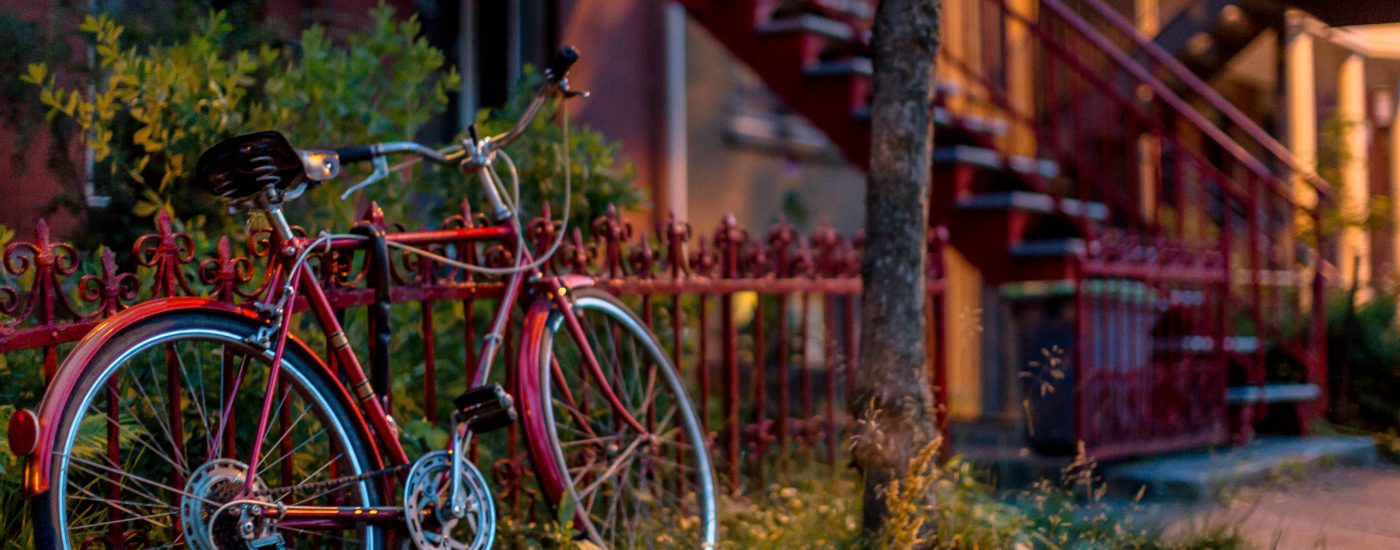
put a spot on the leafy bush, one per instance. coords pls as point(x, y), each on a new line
point(1364, 362)
point(153, 110)
point(600, 178)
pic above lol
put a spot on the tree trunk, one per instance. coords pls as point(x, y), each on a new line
point(891, 397)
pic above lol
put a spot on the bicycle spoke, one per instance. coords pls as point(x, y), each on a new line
point(135, 472)
point(621, 461)
point(285, 433)
point(196, 398)
point(628, 496)
point(308, 441)
point(128, 475)
point(125, 519)
point(156, 414)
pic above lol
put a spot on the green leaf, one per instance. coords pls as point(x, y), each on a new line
point(90, 24)
point(566, 511)
point(37, 74)
point(144, 209)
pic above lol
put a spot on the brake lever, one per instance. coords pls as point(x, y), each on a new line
point(381, 171)
point(568, 93)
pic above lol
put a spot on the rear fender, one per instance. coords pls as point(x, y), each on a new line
point(65, 381)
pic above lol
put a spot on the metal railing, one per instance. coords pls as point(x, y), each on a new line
point(762, 325)
point(1206, 220)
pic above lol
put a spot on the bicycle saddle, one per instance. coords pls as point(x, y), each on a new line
point(243, 166)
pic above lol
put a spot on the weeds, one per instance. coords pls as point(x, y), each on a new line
point(945, 506)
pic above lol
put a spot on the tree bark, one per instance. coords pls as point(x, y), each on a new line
point(891, 397)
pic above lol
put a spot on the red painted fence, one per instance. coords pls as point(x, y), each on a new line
point(1198, 277)
point(763, 325)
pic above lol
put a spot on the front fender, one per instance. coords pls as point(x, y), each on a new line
point(65, 380)
point(533, 404)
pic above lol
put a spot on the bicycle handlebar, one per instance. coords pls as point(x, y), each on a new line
point(559, 66)
point(556, 82)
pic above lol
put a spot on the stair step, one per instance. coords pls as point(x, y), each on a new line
point(1274, 393)
point(1045, 248)
point(853, 9)
point(988, 158)
point(859, 65)
point(973, 123)
point(1035, 202)
point(1200, 343)
point(809, 23)
point(994, 127)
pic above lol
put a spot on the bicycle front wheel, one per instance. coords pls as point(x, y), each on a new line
point(630, 488)
point(153, 443)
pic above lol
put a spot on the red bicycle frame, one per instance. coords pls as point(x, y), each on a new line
point(547, 292)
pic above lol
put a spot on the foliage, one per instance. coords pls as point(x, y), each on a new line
point(1364, 362)
point(1333, 155)
point(812, 507)
point(815, 507)
point(23, 42)
point(599, 177)
point(154, 109)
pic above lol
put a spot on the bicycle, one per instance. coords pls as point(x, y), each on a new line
point(208, 425)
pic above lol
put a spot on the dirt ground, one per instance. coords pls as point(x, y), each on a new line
point(1341, 509)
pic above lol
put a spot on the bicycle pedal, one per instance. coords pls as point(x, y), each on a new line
point(486, 408)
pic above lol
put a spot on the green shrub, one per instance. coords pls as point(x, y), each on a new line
point(600, 178)
point(1364, 363)
point(152, 110)
point(816, 507)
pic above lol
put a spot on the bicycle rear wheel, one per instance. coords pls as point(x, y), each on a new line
point(630, 489)
point(152, 442)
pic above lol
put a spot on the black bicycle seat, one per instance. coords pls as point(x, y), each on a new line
point(243, 166)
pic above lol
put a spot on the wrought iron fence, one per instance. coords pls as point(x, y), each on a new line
point(762, 324)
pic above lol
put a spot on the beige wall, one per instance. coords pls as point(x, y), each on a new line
point(751, 184)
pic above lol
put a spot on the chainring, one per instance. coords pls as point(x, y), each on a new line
point(430, 523)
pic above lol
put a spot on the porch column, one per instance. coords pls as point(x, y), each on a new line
point(1021, 61)
point(1395, 179)
point(677, 170)
point(1355, 170)
point(1148, 22)
point(1301, 91)
point(1148, 16)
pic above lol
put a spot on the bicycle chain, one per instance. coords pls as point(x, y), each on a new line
point(329, 483)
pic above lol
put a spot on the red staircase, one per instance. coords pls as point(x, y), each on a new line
point(1147, 247)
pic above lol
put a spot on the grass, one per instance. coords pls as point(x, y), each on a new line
point(813, 505)
point(816, 507)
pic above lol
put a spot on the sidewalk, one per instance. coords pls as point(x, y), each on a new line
point(1355, 507)
point(1201, 476)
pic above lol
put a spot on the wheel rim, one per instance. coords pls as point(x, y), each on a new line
point(138, 496)
point(631, 490)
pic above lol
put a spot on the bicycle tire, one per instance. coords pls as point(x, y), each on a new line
point(49, 508)
point(548, 439)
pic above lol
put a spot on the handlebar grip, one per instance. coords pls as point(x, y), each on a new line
point(559, 66)
point(358, 153)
